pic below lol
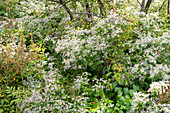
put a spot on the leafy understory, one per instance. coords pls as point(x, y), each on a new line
point(67, 56)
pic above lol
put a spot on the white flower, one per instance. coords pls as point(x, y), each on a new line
point(157, 87)
point(142, 14)
point(142, 69)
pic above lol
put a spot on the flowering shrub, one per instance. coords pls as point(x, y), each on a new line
point(144, 103)
point(70, 66)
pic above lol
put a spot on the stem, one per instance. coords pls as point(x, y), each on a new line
point(162, 5)
point(66, 8)
point(147, 5)
point(168, 12)
point(139, 3)
point(142, 7)
point(102, 9)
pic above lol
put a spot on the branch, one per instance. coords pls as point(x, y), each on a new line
point(86, 7)
point(64, 3)
point(147, 5)
point(79, 18)
point(82, 4)
point(86, 13)
point(168, 10)
point(102, 8)
point(88, 10)
point(139, 3)
point(55, 1)
point(162, 5)
point(66, 8)
point(142, 6)
point(123, 16)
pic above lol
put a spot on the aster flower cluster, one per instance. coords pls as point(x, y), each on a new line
point(143, 103)
point(151, 49)
point(31, 6)
point(157, 87)
point(111, 43)
point(72, 48)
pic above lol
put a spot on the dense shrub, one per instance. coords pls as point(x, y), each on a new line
point(51, 64)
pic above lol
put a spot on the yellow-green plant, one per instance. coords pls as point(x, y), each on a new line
point(14, 69)
point(15, 58)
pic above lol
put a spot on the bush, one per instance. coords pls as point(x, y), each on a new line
point(104, 67)
point(16, 63)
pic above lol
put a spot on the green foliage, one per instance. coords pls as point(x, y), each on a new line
point(16, 62)
point(10, 97)
point(97, 63)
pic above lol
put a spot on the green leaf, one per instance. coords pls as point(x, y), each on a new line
point(126, 82)
point(114, 84)
point(1, 110)
point(85, 63)
point(12, 102)
point(121, 82)
point(108, 74)
point(95, 109)
point(18, 100)
point(115, 75)
point(12, 111)
point(49, 47)
point(131, 92)
point(125, 90)
point(96, 95)
point(93, 67)
point(127, 97)
point(2, 102)
point(117, 89)
point(90, 64)
point(136, 87)
point(113, 54)
point(99, 62)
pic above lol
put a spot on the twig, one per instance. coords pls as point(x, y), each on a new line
point(88, 9)
point(67, 9)
point(147, 5)
point(139, 3)
point(55, 1)
point(102, 8)
point(86, 13)
point(78, 18)
point(123, 17)
point(162, 5)
point(142, 6)
point(168, 10)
